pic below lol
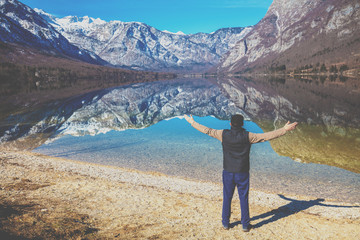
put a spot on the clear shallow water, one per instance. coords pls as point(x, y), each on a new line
point(173, 147)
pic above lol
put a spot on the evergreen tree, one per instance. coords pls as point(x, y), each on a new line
point(323, 68)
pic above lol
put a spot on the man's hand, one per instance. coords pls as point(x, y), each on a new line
point(290, 126)
point(189, 119)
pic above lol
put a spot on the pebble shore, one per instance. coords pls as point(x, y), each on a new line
point(130, 204)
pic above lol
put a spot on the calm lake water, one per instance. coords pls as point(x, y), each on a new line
point(140, 126)
point(175, 148)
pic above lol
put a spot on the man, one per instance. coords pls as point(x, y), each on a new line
point(236, 150)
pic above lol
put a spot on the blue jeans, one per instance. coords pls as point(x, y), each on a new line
point(241, 181)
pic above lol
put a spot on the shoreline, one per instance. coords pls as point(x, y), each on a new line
point(284, 176)
point(124, 203)
point(107, 172)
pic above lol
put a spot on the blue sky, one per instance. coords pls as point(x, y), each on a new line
point(188, 16)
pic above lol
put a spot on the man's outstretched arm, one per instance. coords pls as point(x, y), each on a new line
point(262, 137)
point(209, 131)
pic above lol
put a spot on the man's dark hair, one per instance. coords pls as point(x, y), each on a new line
point(237, 120)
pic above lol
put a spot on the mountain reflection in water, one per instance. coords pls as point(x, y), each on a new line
point(127, 107)
point(328, 113)
point(328, 117)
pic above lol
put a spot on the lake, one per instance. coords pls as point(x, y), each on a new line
point(140, 126)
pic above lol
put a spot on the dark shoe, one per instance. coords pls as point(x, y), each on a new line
point(226, 226)
point(247, 229)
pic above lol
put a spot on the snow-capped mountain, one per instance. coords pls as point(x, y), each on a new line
point(22, 25)
point(140, 46)
point(299, 32)
point(123, 44)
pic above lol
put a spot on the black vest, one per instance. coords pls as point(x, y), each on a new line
point(236, 150)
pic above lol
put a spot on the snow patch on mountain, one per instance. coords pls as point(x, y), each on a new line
point(140, 46)
point(22, 25)
point(177, 33)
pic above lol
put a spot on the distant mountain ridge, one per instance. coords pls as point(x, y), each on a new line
point(131, 45)
point(294, 33)
point(142, 47)
point(22, 25)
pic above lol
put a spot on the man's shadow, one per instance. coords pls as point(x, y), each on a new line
point(294, 206)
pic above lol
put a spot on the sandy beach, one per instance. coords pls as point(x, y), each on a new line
point(45, 197)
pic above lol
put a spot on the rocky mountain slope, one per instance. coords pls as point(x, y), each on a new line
point(22, 25)
point(139, 46)
point(122, 44)
point(294, 33)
